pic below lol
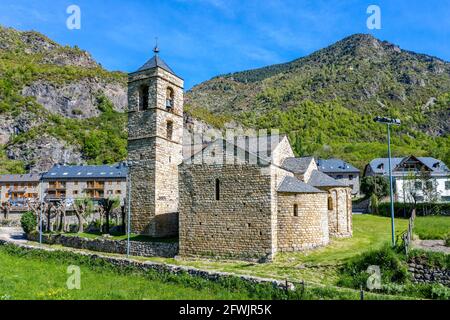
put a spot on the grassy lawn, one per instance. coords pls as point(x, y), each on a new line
point(317, 266)
point(432, 228)
point(34, 278)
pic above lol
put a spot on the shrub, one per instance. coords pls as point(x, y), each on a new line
point(28, 222)
point(376, 185)
point(422, 209)
point(393, 269)
point(447, 240)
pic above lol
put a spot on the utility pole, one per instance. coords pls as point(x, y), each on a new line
point(389, 122)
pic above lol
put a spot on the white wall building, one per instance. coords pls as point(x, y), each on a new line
point(416, 179)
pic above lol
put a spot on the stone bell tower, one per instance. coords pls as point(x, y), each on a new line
point(155, 136)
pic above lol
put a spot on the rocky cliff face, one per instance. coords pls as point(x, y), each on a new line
point(77, 99)
point(57, 104)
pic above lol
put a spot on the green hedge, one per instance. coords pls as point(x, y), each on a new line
point(403, 210)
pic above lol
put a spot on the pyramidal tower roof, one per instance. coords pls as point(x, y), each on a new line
point(156, 61)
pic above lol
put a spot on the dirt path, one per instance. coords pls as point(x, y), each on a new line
point(12, 234)
point(431, 245)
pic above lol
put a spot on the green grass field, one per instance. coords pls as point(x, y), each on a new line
point(32, 278)
point(432, 228)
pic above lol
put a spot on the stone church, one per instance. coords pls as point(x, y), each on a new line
point(243, 197)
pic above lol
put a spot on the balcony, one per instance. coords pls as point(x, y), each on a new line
point(95, 186)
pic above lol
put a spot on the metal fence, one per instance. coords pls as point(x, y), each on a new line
point(407, 236)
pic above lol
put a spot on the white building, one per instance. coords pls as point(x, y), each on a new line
point(416, 179)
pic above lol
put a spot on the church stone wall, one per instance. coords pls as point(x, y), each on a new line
point(239, 224)
point(307, 230)
point(154, 152)
point(340, 216)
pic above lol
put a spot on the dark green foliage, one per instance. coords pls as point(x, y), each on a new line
point(375, 185)
point(102, 139)
point(329, 100)
point(28, 222)
point(393, 269)
point(422, 209)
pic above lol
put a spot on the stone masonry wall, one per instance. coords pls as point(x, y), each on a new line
point(307, 230)
point(239, 224)
point(156, 154)
point(143, 249)
point(423, 273)
point(340, 217)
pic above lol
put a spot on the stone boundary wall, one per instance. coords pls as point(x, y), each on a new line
point(162, 267)
point(422, 273)
point(137, 248)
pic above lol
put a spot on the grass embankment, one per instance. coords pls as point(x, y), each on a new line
point(432, 227)
point(43, 275)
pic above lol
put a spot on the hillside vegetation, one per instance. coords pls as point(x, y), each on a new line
point(326, 101)
point(27, 57)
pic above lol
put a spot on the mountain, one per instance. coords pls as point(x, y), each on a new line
point(57, 104)
point(326, 101)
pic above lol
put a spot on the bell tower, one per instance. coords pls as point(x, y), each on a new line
point(155, 138)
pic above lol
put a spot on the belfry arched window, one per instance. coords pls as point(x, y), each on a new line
point(143, 97)
point(170, 99)
point(169, 128)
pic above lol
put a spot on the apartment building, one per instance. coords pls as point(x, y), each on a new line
point(19, 188)
point(95, 182)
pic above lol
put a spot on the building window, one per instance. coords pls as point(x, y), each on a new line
point(118, 192)
point(217, 189)
point(75, 192)
point(350, 177)
point(75, 183)
point(447, 185)
point(340, 177)
point(143, 97)
point(169, 130)
point(445, 199)
point(330, 203)
point(295, 210)
point(169, 99)
point(418, 185)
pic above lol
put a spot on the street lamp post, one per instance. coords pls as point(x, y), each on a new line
point(389, 122)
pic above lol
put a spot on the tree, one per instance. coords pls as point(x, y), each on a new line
point(429, 190)
point(28, 222)
point(377, 185)
point(83, 209)
point(60, 209)
point(107, 206)
point(6, 208)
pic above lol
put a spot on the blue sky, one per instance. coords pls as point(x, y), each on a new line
point(200, 39)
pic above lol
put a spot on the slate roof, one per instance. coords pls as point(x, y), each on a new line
point(436, 166)
point(293, 185)
point(20, 178)
point(297, 165)
point(320, 179)
point(154, 62)
point(86, 172)
point(336, 166)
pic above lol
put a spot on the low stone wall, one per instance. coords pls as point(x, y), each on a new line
point(137, 248)
point(163, 268)
point(422, 273)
